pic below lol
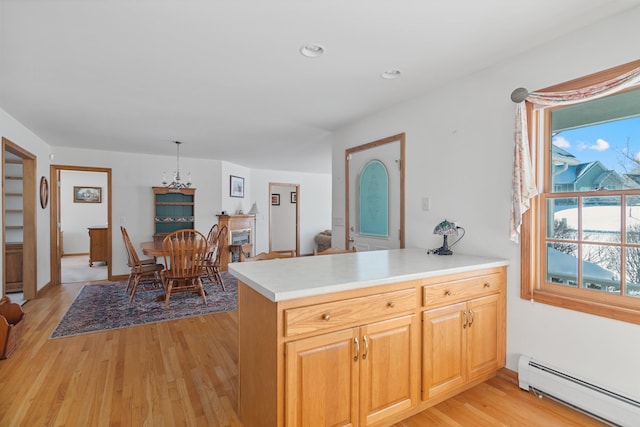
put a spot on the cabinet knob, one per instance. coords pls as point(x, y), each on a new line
point(447, 292)
point(326, 316)
point(487, 285)
point(391, 304)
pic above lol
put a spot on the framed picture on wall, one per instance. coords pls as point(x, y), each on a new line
point(87, 194)
point(236, 186)
point(275, 199)
point(294, 197)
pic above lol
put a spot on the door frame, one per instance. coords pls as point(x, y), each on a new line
point(29, 223)
point(348, 152)
point(56, 250)
point(286, 184)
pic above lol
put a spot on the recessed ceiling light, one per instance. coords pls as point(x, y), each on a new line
point(391, 74)
point(312, 50)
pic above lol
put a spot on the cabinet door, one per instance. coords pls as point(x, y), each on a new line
point(322, 380)
point(443, 344)
point(389, 363)
point(483, 336)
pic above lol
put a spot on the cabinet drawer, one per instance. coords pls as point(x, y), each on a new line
point(353, 311)
point(459, 290)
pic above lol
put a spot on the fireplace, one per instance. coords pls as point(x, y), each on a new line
point(240, 237)
point(237, 238)
point(240, 230)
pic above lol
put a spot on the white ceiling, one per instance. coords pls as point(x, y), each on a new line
point(226, 77)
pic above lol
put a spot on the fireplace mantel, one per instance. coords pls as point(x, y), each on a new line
point(234, 223)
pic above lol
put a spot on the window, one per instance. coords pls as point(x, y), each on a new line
point(581, 239)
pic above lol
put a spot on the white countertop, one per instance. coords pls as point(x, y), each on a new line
point(289, 278)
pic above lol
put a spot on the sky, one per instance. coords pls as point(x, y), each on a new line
point(606, 142)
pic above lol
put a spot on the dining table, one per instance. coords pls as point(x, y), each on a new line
point(152, 248)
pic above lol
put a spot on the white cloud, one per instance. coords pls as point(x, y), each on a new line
point(600, 145)
point(561, 142)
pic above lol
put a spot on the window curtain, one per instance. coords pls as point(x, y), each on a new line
point(523, 184)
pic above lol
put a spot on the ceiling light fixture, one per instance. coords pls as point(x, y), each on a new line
point(391, 74)
point(312, 50)
point(176, 182)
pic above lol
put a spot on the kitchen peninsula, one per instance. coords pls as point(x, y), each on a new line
point(365, 338)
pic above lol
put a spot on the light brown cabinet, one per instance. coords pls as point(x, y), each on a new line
point(13, 267)
point(352, 377)
point(98, 250)
point(462, 341)
point(361, 357)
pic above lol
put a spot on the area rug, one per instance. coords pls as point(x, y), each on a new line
point(106, 306)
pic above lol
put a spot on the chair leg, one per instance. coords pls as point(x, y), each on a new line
point(202, 293)
point(167, 293)
point(218, 277)
point(129, 283)
point(134, 287)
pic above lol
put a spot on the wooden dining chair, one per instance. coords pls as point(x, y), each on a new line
point(183, 252)
point(143, 273)
point(213, 268)
point(330, 251)
point(212, 254)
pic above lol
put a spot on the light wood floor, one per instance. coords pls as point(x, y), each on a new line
point(184, 372)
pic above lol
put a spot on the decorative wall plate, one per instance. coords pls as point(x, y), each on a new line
point(44, 192)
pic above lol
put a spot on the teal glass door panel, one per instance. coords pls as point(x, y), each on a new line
point(373, 200)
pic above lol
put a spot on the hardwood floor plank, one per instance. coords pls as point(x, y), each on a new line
point(184, 373)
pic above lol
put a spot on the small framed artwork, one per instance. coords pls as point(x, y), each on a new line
point(275, 199)
point(87, 194)
point(236, 186)
point(294, 197)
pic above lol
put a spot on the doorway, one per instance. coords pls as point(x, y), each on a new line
point(81, 198)
point(284, 217)
point(375, 194)
point(19, 220)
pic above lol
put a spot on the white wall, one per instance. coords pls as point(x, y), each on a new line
point(234, 204)
point(13, 130)
point(314, 201)
point(132, 176)
point(459, 153)
point(75, 218)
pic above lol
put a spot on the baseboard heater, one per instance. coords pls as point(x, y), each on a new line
point(605, 405)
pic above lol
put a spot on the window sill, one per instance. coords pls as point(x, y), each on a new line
point(619, 312)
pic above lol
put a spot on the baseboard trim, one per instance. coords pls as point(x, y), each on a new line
point(508, 375)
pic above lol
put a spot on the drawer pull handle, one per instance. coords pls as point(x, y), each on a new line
point(366, 347)
point(326, 317)
point(470, 318)
point(487, 285)
point(355, 341)
point(466, 320)
point(447, 292)
point(391, 304)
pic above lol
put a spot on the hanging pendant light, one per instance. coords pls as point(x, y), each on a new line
point(176, 182)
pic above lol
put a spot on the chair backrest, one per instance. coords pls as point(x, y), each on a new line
point(270, 255)
point(132, 257)
point(183, 252)
point(221, 242)
point(330, 251)
point(212, 243)
point(213, 234)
